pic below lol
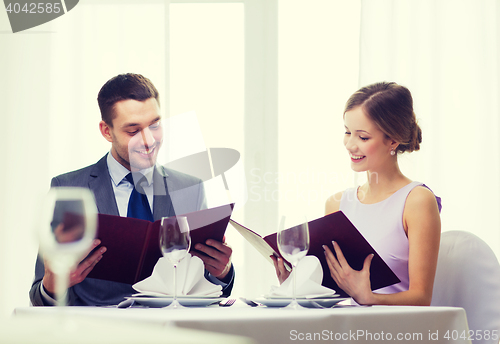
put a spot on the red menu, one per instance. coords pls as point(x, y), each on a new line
point(133, 245)
point(322, 231)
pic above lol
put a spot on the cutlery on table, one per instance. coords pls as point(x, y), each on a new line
point(126, 304)
point(250, 302)
point(227, 302)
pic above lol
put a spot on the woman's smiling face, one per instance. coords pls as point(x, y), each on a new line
point(368, 147)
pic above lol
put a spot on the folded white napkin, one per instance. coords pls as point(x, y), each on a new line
point(190, 279)
point(309, 277)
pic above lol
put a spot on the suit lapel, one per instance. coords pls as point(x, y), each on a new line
point(100, 184)
point(162, 204)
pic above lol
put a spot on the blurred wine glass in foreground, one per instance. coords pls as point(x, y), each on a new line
point(68, 227)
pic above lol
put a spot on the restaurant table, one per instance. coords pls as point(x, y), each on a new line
point(64, 326)
point(395, 324)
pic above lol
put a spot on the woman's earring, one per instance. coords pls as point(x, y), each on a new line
point(393, 152)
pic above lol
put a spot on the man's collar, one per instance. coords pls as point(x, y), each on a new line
point(117, 171)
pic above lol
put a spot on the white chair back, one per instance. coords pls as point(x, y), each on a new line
point(468, 276)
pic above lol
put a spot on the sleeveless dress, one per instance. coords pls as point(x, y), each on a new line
point(382, 226)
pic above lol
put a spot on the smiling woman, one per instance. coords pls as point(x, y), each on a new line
point(380, 117)
point(367, 145)
point(390, 107)
point(399, 217)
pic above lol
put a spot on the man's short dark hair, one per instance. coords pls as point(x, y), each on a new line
point(123, 87)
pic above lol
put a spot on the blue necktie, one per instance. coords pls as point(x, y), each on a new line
point(138, 205)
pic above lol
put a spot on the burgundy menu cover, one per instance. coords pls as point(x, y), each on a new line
point(322, 231)
point(133, 246)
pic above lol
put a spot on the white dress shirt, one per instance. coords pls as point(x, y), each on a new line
point(121, 186)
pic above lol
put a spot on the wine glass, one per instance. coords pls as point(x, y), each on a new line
point(175, 242)
point(69, 223)
point(293, 244)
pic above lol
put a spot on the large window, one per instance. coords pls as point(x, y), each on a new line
point(318, 71)
point(206, 77)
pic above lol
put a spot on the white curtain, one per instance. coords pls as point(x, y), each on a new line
point(24, 101)
point(49, 77)
point(447, 54)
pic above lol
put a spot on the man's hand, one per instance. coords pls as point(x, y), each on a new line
point(217, 258)
point(78, 274)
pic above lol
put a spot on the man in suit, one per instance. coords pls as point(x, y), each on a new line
point(129, 105)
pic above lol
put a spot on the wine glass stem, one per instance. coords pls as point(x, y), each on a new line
point(62, 282)
point(294, 273)
point(175, 283)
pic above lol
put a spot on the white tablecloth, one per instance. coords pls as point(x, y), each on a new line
point(46, 325)
point(397, 324)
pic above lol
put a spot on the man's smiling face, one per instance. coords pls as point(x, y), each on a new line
point(136, 134)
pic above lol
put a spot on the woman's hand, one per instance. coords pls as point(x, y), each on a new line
point(281, 270)
point(355, 283)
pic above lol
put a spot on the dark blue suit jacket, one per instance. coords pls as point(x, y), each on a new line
point(174, 193)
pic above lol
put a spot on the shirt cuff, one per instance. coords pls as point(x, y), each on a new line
point(217, 281)
point(46, 297)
